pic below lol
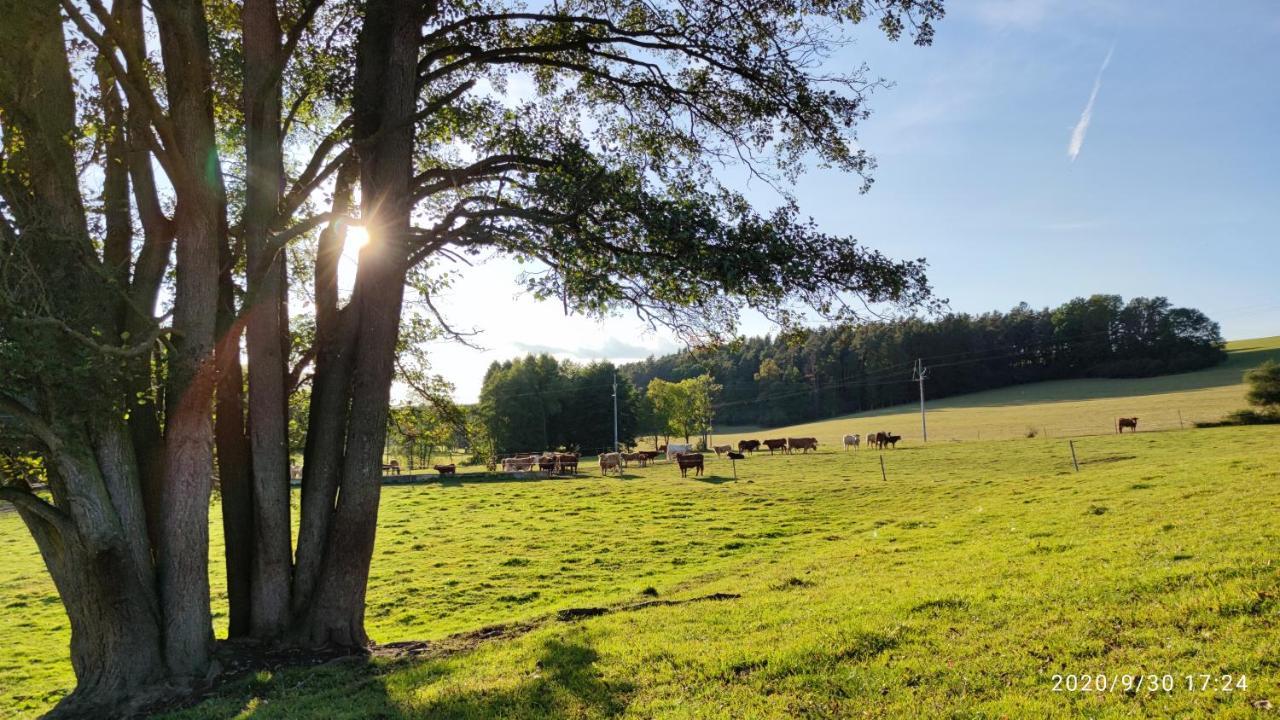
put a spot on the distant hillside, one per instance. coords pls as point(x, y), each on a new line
point(1064, 408)
point(828, 372)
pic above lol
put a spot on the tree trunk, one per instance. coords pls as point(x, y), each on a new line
point(327, 413)
point(267, 330)
point(234, 478)
point(183, 552)
point(384, 103)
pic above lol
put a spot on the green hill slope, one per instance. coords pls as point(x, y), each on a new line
point(1059, 409)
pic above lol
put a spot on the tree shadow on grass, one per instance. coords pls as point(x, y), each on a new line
point(566, 683)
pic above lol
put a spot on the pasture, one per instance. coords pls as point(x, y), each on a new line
point(808, 587)
point(1063, 408)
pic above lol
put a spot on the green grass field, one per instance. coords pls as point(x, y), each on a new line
point(807, 587)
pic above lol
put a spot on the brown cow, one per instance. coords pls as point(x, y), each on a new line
point(649, 455)
point(567, 462)
point(748, 445)
point(688, 461)
point(890, 439)
point(447, 469)
point(778, 444)
point(804, 444)
point(720, 449)
point(638, 458)
point(1131, 423)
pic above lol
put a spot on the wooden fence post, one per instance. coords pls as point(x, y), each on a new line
point(883, 476)
point(1072, 443)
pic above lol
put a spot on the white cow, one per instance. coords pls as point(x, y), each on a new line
point(852, 441)
point(674, 450)
point(610, 461)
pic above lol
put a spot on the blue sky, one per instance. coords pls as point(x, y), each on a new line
point(1174, 190)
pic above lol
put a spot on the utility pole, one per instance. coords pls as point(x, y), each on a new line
point(921, 373)
point(615, 411)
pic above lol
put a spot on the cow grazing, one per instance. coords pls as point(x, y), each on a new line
point(447, 469)
point(689, 461)
point(674, 450)
point(852, 441)
point(1131, 423)
point(721, 449)
point(748, 446)
point(519, 463)
point(639, 458)
point(610, 461)
point(777, 444)
point(804, 444)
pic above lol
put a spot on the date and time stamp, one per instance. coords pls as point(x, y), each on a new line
point(1103, 683)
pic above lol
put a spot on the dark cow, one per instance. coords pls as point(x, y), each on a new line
point(1122, 423)
point(447, 469)
point(689, 461)
point(804, 444)
point(392, 467)
point(649, 455)
point(778, 444)
point(748, 446)
point(737, 456)
point(889, 439)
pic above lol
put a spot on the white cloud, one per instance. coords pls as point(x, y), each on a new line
point(1086, 117)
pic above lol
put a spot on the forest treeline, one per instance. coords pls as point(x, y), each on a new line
point(773, 381)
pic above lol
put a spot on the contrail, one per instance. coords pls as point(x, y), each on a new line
point(1082, 126)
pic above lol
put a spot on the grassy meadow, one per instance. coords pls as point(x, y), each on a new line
point(809, 586)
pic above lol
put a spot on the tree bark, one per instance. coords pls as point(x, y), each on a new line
point(383, 106)
point(327, 413)
point(267, 330)
point(182, 556)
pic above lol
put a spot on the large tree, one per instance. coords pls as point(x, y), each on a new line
point(177, 178)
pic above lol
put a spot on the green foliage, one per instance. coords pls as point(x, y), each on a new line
point(539, 403)
point(686, 407)
point(1264, 386)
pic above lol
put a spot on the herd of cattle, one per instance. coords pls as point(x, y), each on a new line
point(684, 456)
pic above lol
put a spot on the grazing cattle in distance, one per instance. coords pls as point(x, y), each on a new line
point(777, 444)
point(674, 450)
point(721, 449)
point(804, 444)
point(567, 462)
point(1131, 423)
point(638, 458)
point(873, 439)
point(392, 467)
point(447, 469)
point(610, 461)
point(748, 445)
point(519, 463)
point(852, 441)
point(689, 461)
point(889, 439)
